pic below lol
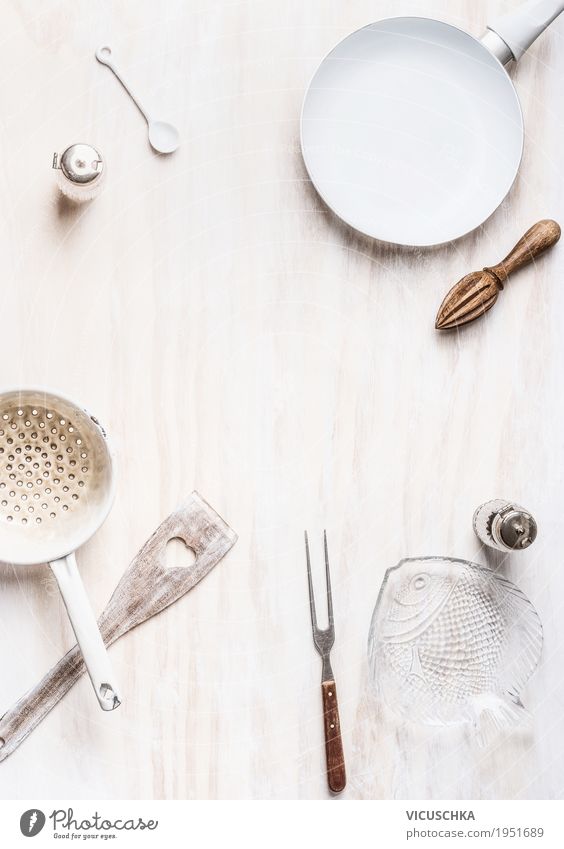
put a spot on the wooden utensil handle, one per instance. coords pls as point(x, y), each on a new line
point(541, 236)
point(18, 722)
point(336, 774)
point(147, 588)
point(31, 709)
point(34, 706)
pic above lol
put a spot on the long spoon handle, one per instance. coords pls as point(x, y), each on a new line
point(541, 236)
point(104, 56)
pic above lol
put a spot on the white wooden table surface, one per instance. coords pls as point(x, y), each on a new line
point(238, 339)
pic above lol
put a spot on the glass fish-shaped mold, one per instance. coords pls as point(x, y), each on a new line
point(452, 642)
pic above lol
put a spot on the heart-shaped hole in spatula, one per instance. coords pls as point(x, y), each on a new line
point(178, 554)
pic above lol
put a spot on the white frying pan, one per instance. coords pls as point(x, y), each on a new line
point(411, 129)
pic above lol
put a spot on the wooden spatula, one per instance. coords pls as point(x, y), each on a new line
point(146, 588)
point(476, 293)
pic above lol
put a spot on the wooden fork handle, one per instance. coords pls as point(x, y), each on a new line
point(336, 774)
point(538, 238)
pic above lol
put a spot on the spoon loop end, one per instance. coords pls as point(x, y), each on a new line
point(104, 55)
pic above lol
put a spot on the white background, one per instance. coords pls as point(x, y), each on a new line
point(236, 338)
point(278, 824)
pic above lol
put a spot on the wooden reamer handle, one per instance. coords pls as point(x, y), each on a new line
point(541, 236)
point(336, 774)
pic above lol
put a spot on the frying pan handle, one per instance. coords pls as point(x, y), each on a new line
point(86, 631)
point(520, 28)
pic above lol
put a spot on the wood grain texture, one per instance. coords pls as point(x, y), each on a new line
point(538, 238)
point(477, 292)
point(147, 587)
point(236, 338)
point(336, 772)
point(468, 300)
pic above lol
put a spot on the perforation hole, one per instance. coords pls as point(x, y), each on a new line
point(44, 444)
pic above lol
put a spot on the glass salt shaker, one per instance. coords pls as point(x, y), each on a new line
point(80, 172)
point(504, 525)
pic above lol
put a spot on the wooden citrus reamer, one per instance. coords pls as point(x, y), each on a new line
point(476, 293)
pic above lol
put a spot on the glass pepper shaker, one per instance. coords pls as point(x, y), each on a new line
point(80, 172)
point(504, 525)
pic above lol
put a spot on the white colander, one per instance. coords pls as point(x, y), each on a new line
point(56, 489)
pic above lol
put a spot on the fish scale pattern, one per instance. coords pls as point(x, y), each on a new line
point(461, 649)
point(442, 635)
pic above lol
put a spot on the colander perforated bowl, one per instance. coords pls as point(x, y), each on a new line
point(56, 489)
point(56, 476)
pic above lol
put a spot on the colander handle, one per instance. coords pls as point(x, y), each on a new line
point(86, 631)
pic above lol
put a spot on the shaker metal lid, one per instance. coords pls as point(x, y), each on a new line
point(517, 528)
point(81, 163)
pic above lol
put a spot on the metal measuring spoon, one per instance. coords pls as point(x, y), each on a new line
point(163, 137)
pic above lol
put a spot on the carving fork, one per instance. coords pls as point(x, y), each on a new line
point(323, 640)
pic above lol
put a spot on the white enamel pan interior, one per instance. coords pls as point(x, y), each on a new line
point(412, 130)
point(56, 488)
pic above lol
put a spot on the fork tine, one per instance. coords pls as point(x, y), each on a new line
point(328, 578)
point(310, 584)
